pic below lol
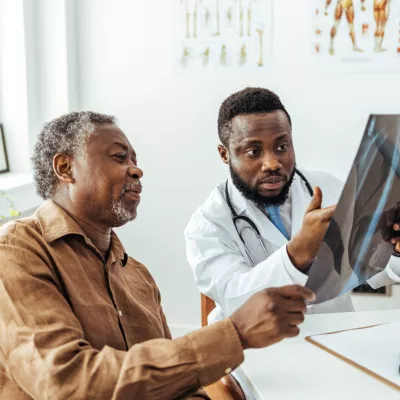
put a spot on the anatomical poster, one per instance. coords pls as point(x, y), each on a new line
point(222, 34)
point(356, 35)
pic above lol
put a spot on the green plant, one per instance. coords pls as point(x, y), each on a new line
point(12, 210)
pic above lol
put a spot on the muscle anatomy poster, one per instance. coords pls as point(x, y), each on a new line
point(361, 35)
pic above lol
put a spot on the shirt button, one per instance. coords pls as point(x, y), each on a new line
point(228, 371)
point(120, 313)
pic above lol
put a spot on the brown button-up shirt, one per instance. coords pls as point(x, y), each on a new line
point(73, 326)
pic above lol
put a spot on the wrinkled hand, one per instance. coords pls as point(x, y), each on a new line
point(390, 226)
point(271, 315)
point(303, 247)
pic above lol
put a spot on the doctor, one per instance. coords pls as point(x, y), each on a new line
point(263, 226)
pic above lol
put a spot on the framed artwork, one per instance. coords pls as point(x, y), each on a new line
point(366, 289)
point(3, 152)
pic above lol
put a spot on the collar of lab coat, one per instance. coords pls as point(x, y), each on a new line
point(300, 198)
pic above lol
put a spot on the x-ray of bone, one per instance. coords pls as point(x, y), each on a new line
point(357, 243)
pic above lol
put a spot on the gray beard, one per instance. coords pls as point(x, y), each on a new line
point(121, 213)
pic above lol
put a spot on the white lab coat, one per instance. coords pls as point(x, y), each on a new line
point(223, 270)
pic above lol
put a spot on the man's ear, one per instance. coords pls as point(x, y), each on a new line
point(63, 168)
point(223, 153)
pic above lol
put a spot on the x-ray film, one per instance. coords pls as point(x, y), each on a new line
point(356, 245)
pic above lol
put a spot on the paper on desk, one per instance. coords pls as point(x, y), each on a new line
point(376, 349)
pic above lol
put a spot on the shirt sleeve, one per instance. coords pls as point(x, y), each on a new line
point(200, 393)
point(44, 351)
point(389, 276)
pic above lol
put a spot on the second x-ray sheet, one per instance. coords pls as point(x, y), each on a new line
point(355, 247)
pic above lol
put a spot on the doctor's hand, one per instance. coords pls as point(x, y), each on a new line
point(389, 225)
point(271, 315)
point(304, 246)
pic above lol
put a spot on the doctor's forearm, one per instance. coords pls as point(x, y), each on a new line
point(389, 276)
point(300, 258)
point(277, 270)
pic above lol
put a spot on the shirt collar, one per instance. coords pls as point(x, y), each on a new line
point(239, 202)
point(118, 249)
point(56, 224)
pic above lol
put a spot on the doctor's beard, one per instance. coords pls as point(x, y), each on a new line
point(250, 192)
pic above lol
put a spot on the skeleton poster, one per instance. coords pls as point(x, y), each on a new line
point(222, 34)
point(359, 35)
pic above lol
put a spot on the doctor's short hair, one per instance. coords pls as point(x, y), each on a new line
point(67, 134)
point(248, 101)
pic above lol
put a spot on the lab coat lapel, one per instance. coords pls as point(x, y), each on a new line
point(300, 202)
point(268, 230)
point(245, 207)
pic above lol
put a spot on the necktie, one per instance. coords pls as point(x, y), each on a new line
point(275, 218)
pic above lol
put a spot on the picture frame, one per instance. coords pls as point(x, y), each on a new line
point(365, 289)
point(4, 166)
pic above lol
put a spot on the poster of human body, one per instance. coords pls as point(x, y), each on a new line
point(223, 34)
point(359, 35)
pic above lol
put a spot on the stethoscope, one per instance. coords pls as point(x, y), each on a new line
point(252, 225)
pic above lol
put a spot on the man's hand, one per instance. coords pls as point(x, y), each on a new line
point(271, 315)
point(390, 226)
point(396, 240)
point(303, 247)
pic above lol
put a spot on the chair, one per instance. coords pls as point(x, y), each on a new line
point(207, 305)
point(226, 388)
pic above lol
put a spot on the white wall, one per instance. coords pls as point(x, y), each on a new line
point(37, 83)
point(123, 56)
point(13, 80)
point(363, 302)
point(37, 70)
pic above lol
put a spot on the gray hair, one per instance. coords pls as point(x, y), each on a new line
point(67, 134)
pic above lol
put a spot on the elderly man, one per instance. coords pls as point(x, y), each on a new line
point(79, 319)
